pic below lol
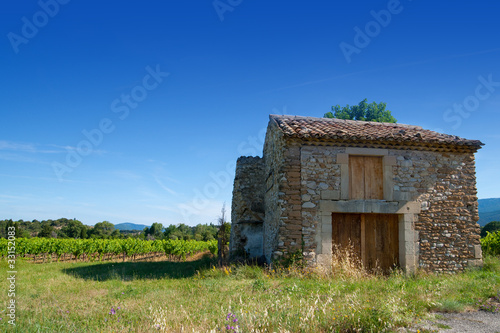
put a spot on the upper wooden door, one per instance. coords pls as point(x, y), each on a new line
point(366, 177)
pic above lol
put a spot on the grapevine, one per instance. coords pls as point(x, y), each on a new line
point(102, 249)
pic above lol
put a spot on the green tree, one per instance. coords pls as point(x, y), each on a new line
point(186, 231)
point(181, 231)
point(47, 231)
point(170, 232)
point(8, 223)
point(102, 229)
point(155, 231)
point(36, 226)
point(24, 229)
point(74, 229)
point(22, 233)
point(204, 232)
point(491, 227)
point(83, 232)
point(362, 111)
point(3, 228)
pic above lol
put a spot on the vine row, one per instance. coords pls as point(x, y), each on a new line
point(104, 249)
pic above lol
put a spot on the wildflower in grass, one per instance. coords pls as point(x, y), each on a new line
point(231, 319)
point(112, 312)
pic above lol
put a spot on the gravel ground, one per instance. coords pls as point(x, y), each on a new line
point(477, 322)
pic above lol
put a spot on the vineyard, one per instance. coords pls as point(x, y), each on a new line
point(48, 249)
point(491, 243)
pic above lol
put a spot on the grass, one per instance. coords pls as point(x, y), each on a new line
point(194, 296)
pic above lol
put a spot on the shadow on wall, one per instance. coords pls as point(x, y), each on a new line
point(127, 271)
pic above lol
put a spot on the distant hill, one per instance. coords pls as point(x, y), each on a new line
point(489, 210)
point(130, 226)
point(485, 218)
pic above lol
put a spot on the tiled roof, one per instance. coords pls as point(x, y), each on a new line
point(352, 130)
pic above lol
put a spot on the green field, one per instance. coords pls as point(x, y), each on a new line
point(195, 296)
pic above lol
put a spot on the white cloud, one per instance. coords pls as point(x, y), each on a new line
point(8, 145)
point(162, 185)
point(18, 158)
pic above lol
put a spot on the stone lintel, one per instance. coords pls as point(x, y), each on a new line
point(367, 151)
point(369, 206)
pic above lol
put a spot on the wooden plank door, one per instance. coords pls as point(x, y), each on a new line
point(374, 238)
point(356, 177)
point(381, 241)
point(374, 177)
point(366, 177)
point(346, 232)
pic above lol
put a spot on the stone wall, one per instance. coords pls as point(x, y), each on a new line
point(320, 179)
point(432, 191)
point(446, 188)
point(247, 209)
point(274, 147)
point(441, 183)
point(290, 227)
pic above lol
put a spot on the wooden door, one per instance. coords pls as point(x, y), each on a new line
point(346, 232)
point(366, 177)
point(381, 241)
point(374, 238)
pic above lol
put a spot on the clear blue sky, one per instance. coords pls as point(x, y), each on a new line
point(170, 93)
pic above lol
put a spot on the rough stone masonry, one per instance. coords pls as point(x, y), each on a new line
point(286, 201)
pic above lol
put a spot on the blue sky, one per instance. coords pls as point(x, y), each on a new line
point(135, 111)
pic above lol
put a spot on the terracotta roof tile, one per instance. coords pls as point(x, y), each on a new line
point(350, 130)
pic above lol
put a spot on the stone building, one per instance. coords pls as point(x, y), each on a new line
point(398, 195)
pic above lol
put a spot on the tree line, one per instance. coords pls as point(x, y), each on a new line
point(491, 227)
point(73, 228)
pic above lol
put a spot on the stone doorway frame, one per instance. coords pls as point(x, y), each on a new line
point(338, 202)
point(407, 215)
